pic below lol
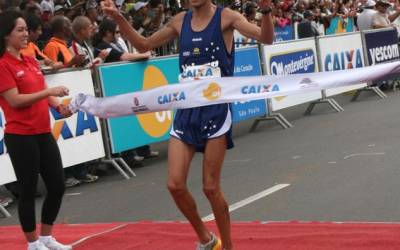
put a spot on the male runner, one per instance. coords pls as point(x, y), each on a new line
point(206, 45)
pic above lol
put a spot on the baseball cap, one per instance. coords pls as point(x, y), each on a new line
point(370, 3)
point(139, 5)
point(58, 7)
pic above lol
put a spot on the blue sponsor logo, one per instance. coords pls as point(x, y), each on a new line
point(293, 63)
point(344, 60)
point(172, 97)
point(255, 89)
point(84, 122)
point(194, 73)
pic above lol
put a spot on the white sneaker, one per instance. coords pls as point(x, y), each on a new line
point(37, 245)
point(52, 244)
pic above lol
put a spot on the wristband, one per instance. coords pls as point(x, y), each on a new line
point(266, 10)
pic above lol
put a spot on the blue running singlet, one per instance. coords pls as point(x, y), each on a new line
point(195, 126)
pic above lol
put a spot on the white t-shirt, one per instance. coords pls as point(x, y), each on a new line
point(364, 20)
point(381, 19)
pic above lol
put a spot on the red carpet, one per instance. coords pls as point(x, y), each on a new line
point(252, 235)
point(11, 237)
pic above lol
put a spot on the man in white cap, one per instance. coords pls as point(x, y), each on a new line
point(382, 19)
point(47, 5)
point(137, 6)
point(364, 20)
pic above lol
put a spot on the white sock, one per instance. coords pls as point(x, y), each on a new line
point(45, 238)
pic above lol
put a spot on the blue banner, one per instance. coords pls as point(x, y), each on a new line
point(247, 63)
point(134, 131)
point(295, 62)
point(283, 34)
point(382, 46)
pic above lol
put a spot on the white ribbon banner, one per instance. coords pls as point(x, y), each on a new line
point(225, 90)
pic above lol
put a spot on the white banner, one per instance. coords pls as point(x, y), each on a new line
point(6, 171)
point(289, 58)
point(225, 90)
point(341, 52)
point(79, 137)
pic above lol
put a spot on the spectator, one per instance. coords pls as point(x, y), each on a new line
point(281, 20)
point(46, 16)
point(47, 5)
point(82, 29)
point(92, 13)
point(382, 19)
point(140, 18)
point(56, 49)
point(298, 14)
point(25, 100)
point(32, 50)
point(59, 10)
point(364, 20)
point(156, 15)
point(106, 39)
point(307, 28)
point(33, 10)
point(250, 12)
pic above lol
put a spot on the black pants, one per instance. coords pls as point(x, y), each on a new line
point(32, 155)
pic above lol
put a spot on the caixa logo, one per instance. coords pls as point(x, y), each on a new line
point(171, 97)
point(84, 122)
point(343, 60)
point(302, 61)
point(255, 89)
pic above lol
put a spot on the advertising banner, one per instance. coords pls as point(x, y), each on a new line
point(79, 137)
point(339, 53)
point(292, 58)
point(381, 46)
point(284, 34)
point(242, 41)
point(134, 131)
point(247, 63)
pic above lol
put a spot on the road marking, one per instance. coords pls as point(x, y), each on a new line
point(98, 234)
point(362, 154)
point(249, 200)
point(72, 194)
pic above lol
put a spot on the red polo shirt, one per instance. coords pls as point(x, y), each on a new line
point(25, 75)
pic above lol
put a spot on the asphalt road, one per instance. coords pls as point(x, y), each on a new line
point(339, 167)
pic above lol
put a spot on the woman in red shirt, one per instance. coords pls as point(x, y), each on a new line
point(25, 101)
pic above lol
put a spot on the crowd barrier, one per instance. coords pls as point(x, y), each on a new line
point(337, 25)
point(84, 138)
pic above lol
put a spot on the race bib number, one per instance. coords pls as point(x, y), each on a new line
point(198, 72)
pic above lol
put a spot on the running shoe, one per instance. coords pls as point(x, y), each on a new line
point(52, 244)
point(213, 244)
point(5, 201)
point(71, 182)
point(88, 178)
point(37, 246)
